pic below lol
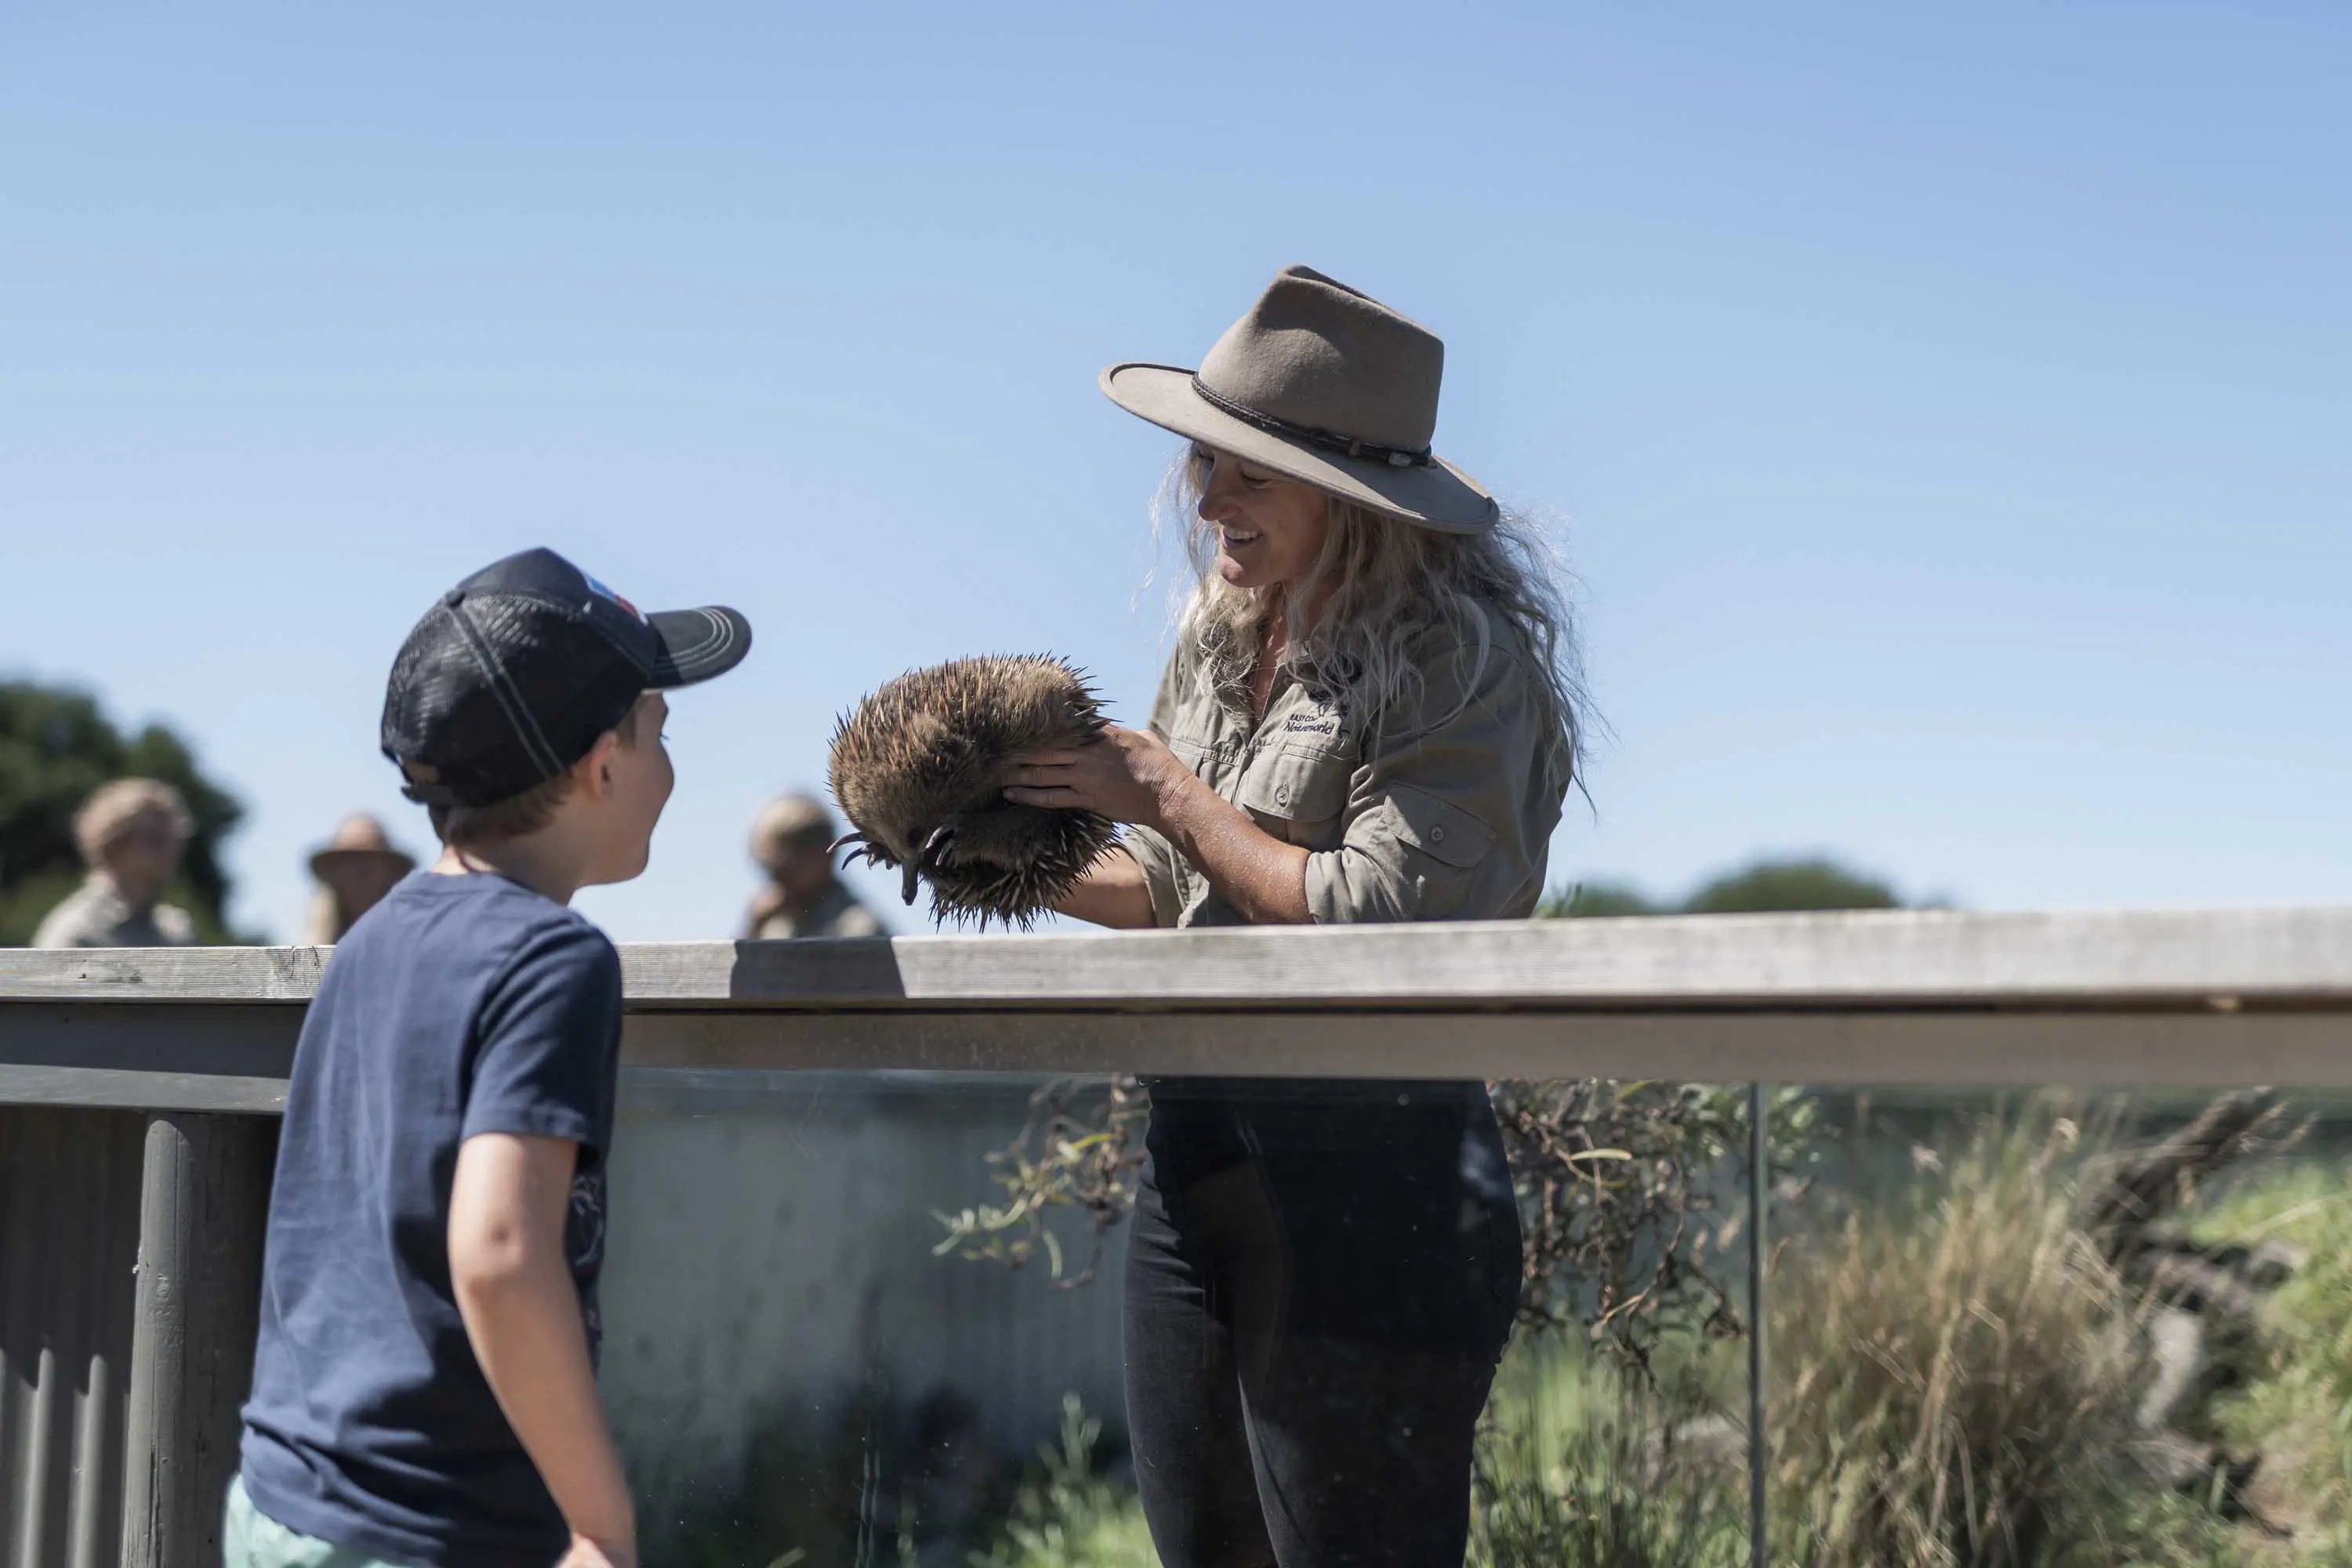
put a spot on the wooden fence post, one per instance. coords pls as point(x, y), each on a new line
point(68, 1239)
point(203, 1205)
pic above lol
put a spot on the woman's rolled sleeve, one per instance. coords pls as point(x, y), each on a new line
point(1453, 820)
point(1156, 859)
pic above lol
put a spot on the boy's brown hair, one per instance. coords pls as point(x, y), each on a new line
point(472, 826)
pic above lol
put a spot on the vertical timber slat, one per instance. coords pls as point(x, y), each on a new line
point(94, 1530)
point(204, 1205)
point(69, 1238)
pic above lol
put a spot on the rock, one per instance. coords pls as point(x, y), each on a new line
point(2271, 1265)
point(2190, 1281)
point(2183, 1370)
point(2174, 1462)
point(1712, 1446)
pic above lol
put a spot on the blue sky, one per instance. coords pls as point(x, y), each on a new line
point(1944, 410)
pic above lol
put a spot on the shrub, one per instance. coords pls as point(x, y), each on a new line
point(2297, 1406)
point(1960, 1373)
point(1620, 1184)
point(1584, 1464)
point(1068, 1516)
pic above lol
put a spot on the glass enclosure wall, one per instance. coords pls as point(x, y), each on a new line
point(2020, 1328)
point(835, 1336)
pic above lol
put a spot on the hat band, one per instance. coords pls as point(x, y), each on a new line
point(1315, 436)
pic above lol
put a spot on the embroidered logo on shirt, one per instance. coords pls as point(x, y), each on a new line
point(1326, 723)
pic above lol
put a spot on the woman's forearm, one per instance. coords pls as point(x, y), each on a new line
point(1112, 893)
point(1262, 878)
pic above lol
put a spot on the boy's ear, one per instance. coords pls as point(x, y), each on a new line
point(593, 772)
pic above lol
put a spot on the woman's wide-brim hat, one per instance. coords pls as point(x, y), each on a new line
point(1326, 386)
point(356, 838)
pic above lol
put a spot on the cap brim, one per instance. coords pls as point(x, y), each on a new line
point(696, 644)
point(1436, 496)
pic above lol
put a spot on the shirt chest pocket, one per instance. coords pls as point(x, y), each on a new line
point(1299, 792)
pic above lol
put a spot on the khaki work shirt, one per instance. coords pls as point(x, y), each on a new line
point(832, 912)
point(1442, 813)
point(96, 915)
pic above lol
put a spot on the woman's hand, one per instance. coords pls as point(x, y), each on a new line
point(585, 1552)
point(1125, 774)
point(1128, 777)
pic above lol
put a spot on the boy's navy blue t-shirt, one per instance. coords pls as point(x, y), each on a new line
point(457, 1006)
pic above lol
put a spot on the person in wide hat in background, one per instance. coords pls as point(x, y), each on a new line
point(791, 841)
point(354, 869)
point(1371, 714)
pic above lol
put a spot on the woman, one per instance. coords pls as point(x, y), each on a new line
point(1370, 715)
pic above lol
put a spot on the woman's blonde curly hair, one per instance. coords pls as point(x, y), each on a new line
point(1391, 584)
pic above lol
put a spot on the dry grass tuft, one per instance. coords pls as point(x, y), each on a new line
point(1962, 1375)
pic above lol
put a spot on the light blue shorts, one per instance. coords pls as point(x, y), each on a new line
point(251, 1539)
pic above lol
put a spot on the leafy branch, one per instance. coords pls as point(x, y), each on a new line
point(1619, 1186)
point(1080, 1148)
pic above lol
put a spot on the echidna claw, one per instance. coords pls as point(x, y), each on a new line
point(835, 847)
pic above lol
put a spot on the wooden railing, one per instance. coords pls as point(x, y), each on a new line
point(198, 1044)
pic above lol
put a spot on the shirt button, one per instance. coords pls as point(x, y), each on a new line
point(1437, 835)
point(1282, 796)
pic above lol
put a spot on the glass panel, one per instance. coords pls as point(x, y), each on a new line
point(2021, 1327)
point(817, 1354)
point(793, 1368)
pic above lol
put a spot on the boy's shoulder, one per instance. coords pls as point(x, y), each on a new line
point(482, 923)
point(432, 897)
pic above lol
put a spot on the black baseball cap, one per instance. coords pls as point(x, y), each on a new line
point(511, 677)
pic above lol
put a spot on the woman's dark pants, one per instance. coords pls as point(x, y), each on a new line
point(1321, 1281)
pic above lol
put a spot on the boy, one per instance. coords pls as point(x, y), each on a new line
point(424, 1385)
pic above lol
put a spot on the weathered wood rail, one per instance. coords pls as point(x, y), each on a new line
point(195, 1046)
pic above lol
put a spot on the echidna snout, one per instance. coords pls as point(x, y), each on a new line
point(918, 768)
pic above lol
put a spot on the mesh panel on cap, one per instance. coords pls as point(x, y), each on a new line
point(443, 709)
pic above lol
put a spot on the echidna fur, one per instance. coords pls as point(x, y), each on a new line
point(918, 768)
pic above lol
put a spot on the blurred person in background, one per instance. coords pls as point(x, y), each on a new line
point(355, 869)
point(131, 833)
point(791, 840)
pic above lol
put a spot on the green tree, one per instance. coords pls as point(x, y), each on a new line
point(55, 746)
point(1598, 900)
point(1811, 883)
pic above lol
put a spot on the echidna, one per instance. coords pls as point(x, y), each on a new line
point(918, 768)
